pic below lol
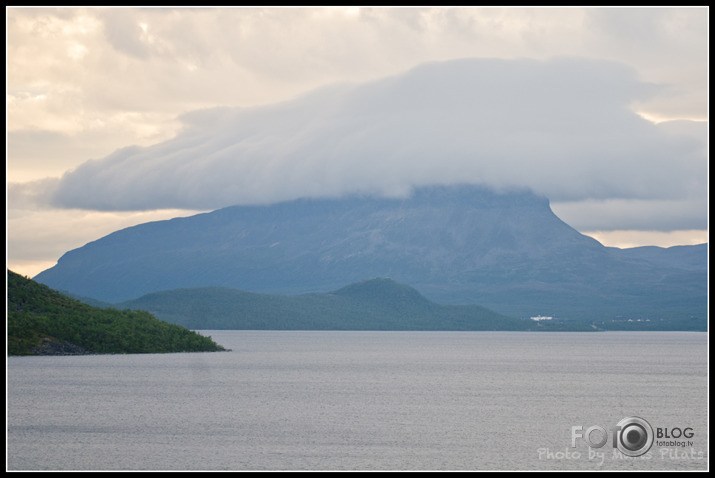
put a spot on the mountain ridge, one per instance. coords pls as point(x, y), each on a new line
point(463, 244)
point(373, 304)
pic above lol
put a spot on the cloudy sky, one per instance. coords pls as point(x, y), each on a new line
point(120, 116)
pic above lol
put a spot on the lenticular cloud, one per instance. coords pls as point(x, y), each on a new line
point(561, 127)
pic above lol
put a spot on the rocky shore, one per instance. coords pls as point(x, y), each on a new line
point(53, 346)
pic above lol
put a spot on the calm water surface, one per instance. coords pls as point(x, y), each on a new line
point(362, 401)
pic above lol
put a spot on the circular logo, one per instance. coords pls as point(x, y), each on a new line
point(634, 437)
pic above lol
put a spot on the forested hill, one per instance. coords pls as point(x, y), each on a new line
point(374, 304)
point(41, 321)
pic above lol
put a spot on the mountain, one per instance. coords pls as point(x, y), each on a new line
point(41, 321)
point(506, 251)
point(376, 304)
point(693, 258)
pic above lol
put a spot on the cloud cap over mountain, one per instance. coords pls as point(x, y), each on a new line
point(561, 127)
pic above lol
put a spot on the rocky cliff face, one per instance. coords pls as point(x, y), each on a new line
point(456, 244)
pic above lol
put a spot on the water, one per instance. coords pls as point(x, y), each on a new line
point(362, 401)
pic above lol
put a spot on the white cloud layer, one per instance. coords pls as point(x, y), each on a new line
point(105, 78)
point(561, 127)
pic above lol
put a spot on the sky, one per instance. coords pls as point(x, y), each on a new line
point(120, 116)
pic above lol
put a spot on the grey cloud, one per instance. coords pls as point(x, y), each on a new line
point(560, 127)
point(31, 195)
point(628, 214)
point(123, 32)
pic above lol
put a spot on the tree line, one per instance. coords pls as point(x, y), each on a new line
point(36, 312)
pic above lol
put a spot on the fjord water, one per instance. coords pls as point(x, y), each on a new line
point(324, 400)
